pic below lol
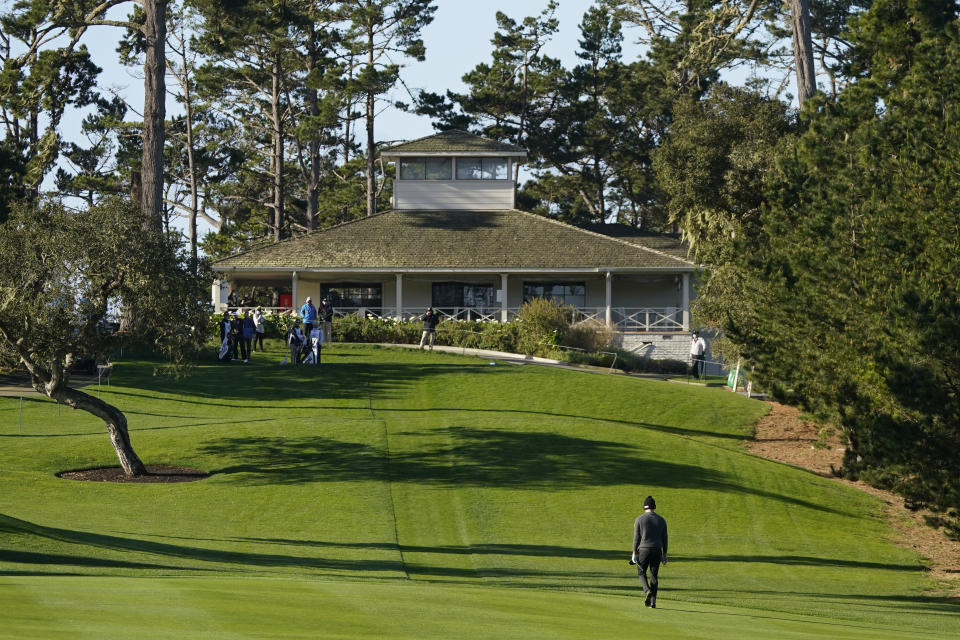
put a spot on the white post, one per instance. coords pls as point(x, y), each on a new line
point(296, 289)
point(608, 311)
point(399, 297)
point(686, 302)
point(503, 298)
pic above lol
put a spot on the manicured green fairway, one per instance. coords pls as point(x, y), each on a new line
point(407, 494)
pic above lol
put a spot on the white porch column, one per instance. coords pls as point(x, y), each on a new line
point(503, 298)
point(686, 302)
point(608, 311)
point(295, 289)
point(399, 297)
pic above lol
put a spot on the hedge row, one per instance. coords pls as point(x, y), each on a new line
point(542, 329)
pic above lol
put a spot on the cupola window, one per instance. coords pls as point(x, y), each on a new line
point(426, 169)
point(482, 169)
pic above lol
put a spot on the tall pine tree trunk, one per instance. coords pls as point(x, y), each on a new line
point(371, 145)
point(278, 148)
point(803, 49)
point(154, 111)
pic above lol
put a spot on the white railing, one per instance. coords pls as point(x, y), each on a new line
point(648, 320)
point(637, 319)
point(593, 314)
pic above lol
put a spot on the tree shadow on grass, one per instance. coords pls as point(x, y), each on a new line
point(242, 560)
point(469, 457)
point(343, 380)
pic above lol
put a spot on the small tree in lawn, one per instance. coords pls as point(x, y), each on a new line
point(61, 272)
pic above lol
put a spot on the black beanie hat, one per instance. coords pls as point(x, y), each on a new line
point(649, 503)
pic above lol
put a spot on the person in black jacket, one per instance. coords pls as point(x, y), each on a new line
point(325, 316)
point(649, 549)
point(429, 327)
point(236, 337)
point(295, 339)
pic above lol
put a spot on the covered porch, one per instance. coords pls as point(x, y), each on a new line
point(626, 300)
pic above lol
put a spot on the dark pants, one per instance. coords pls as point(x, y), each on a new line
point(294, 353)
point(245, 348)
point(307, 328)
point(257, 339)
point(648, 558)
point(698, 365)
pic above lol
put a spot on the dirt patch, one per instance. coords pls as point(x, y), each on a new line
point(155, 473)
point(783, 435)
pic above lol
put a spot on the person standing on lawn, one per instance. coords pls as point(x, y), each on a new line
point(649, 549)
point(308, 314)
point(325, 316)
point(295, 340)
point(259, 326)
point(698, 349)
point(429, 327)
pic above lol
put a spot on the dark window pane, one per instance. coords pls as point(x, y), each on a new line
point(412, 169)
point(447, 295)
point(469, 168)
point(352, 295)
point(494, 168)
point(439, 169)
point(565, 293)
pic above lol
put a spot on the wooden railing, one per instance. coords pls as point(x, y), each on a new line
point(634, 319)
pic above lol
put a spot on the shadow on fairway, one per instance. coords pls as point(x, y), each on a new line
point(928, 605)
point(469, 458)
point(533, 550)
point(226, 384)
point(240, 559)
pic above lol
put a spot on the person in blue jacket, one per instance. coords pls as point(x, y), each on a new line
point(308, 315)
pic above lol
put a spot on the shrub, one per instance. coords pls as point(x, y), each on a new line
point(542, 324)
point(589, 335)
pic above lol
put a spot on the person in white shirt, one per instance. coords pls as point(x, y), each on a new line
point(698, 347)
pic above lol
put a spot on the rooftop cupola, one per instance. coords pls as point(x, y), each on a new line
point(454, 170)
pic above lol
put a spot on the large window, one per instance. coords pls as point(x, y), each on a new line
point(353, 295)
point(572, 293)
point(426, 169)
point(452, 296)
point(482, 169)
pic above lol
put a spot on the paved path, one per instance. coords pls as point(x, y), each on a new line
point(519, 358)
point(16, 386)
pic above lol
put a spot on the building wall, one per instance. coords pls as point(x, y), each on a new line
point(477, 195)
point(664, 346)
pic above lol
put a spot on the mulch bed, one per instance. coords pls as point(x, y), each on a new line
point(156, 473)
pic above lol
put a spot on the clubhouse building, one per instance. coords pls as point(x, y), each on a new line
point(454, 241)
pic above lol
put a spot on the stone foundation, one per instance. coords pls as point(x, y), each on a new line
point(664, 346)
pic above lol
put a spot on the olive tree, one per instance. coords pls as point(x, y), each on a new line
point(62, 272)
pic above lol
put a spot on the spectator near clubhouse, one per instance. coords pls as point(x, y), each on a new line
point(308, 315)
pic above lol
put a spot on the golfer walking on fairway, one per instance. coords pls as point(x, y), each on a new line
point(649, 549)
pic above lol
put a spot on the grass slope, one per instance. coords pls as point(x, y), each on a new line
point(432, 492)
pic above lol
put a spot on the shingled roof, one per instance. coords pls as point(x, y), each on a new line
point(669, 243)
point(453, 142)
point(474, 240)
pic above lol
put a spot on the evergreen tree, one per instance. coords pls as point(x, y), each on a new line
point(378, 31)
point(45, 71)
point(859, 315)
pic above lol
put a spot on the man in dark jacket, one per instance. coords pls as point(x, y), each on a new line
point(236, 337)
point(649, 549)
point(325, 316)
point(429, 327)
point(295, 340)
